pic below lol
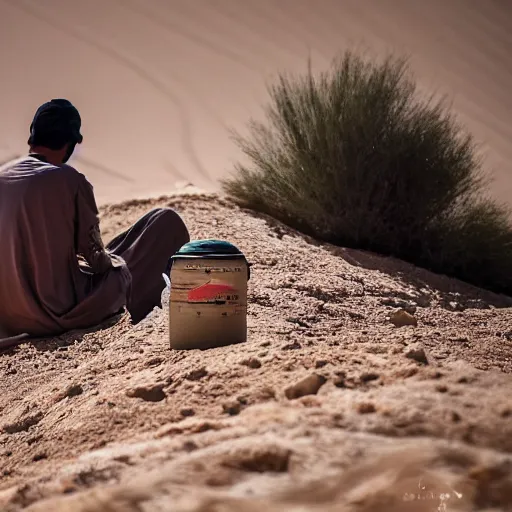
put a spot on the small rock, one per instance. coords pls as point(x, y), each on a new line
point(368, 377)
point(321, 363)
point(417, 353)
point(71, 391)
point(148, 392)
point(233, 407)
point(455, 417)
point(401, 318)
point(295, 345)
point(154, 361)
point(187, 412)
point(252, 362)
point(307, 386)
point(189, 446)
point(366, 408)
point(74, 390)
point(197, 374)
point(39, 456)
point(339, 381)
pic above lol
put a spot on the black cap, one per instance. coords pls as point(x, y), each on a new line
point(56, 123)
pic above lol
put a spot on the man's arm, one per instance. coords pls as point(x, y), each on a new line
point(88, 237)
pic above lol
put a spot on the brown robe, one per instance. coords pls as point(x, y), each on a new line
point(55, 273)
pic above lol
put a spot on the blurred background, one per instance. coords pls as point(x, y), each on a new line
point(159, 83)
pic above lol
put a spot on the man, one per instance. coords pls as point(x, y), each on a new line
point(55, 273)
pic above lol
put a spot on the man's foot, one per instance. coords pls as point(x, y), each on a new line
point(13, 341)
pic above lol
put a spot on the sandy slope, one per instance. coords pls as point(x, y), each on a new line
point(122, 423)
point(159, 82)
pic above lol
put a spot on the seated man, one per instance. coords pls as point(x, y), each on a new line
point(55, 273)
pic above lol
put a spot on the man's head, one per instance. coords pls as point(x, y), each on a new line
point(55, 131)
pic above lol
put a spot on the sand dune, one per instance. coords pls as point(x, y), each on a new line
point(159, 82)
point(113, 421)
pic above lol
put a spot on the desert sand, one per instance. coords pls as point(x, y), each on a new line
point(160, 82)
point(324, 387)
point(329, 406)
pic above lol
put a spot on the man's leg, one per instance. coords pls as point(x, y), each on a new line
point(146, 247)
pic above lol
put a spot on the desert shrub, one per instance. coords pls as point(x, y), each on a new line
point(355, 156)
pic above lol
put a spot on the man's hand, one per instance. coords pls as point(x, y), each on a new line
point(117, 261)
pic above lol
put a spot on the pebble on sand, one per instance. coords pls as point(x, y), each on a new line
point(307, 386)
point(366, 408)
point(251, 362)
point(148, 392)
point(71, 391)
point(402, 318)
point(197, 374)
point(417, 353)
point(233, 407)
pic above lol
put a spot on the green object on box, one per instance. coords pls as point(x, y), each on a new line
point(210, 247)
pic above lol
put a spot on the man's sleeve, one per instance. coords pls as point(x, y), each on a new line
point(88, 237)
